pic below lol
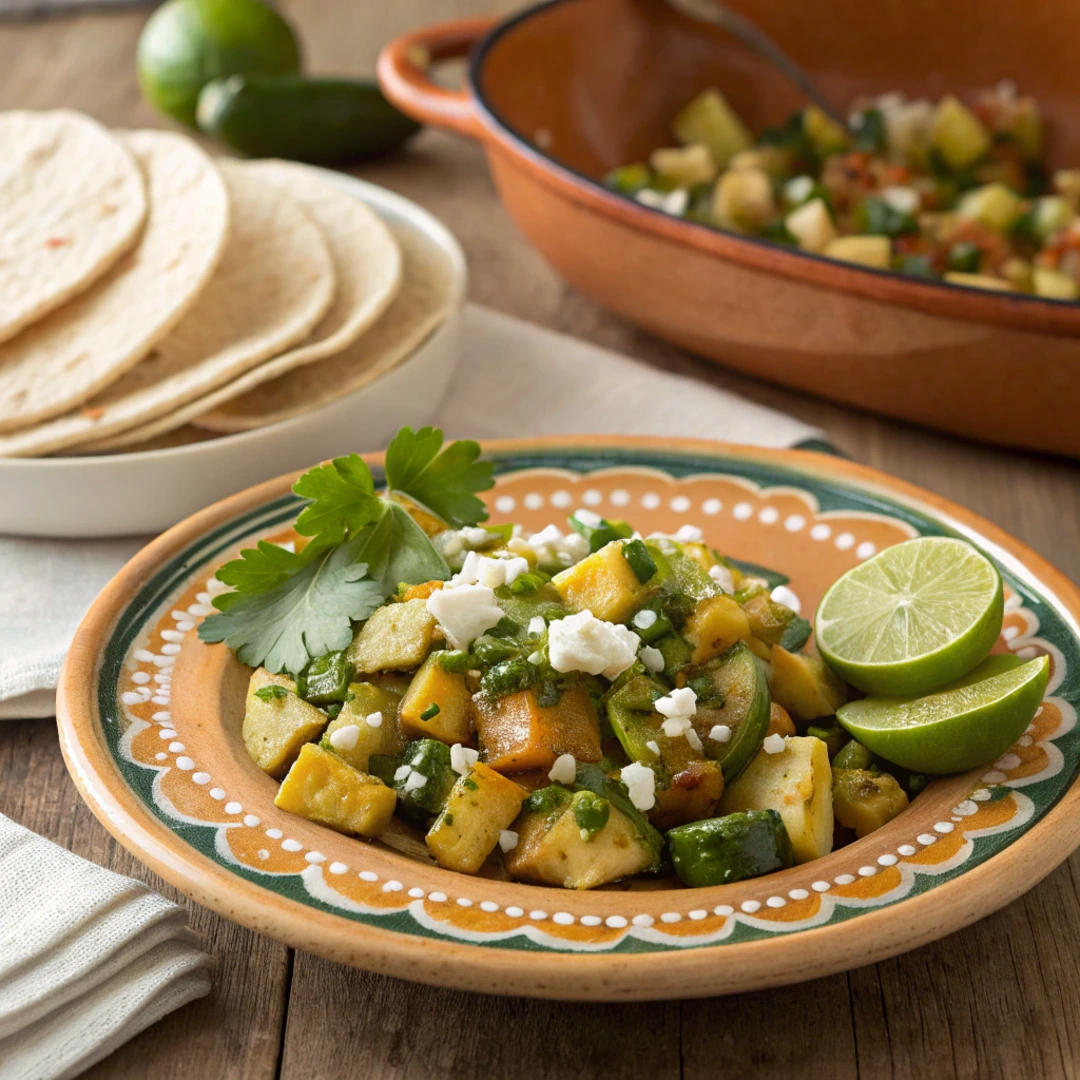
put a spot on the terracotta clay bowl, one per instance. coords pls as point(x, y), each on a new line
point(150, 725)
point(567, 90)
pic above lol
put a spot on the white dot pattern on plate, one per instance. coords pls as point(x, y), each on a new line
point(650, 500)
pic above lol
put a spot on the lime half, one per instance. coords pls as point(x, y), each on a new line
point(912, 618)
point(968, 723)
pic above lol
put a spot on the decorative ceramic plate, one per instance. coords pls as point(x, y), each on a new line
point(150, 721)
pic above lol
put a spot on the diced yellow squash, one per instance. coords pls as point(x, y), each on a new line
point(434, 685)
point(979, 281)
point(811, 225)
point(427, 521)
point(684, 166)
point(797, 784)
point(1050, 214)
point(957, 133)
point(825, 134)
point(709, 119)
point(275, 730)
point(552, 852)
point(1018, 272)
point(1055, 285)
point(397, 637)
point(743, 199)
point(873, 251)
point(804, 685)
point(691, 795)
point(714, 626)
point(518, 733)
point(421, 591)
point(323, 788)
point(772, 160)
point(479, 807)
point(604, 584)
point(995, 205)
point(864, 801)
point(780, 722)
point(387, 738)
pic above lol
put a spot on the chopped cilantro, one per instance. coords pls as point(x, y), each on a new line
point(430, 712)
point(271, 693)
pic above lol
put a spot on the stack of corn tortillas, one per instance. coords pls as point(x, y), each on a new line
point(151, 296)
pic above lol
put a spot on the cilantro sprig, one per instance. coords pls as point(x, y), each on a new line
point(287, 608)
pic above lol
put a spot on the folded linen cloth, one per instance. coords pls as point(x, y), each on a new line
point(87, 959)
point(515, 379)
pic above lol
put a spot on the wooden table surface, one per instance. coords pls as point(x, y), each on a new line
point(1001, 998)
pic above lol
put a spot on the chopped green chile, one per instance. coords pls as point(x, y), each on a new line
point(327, 679)
point(639, 560)
point(591, 813)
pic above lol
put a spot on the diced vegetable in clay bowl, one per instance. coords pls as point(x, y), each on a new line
point(582, 704)
point(366, 717)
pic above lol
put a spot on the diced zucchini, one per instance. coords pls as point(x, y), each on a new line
point(1050, 214)
point(995, 205)
point(479, 807)
point(873, 251)
point(980, 281)
point(1055, 285)
point(811, 225)
point(739, 682)
point(684, 166)
point(554, 849)
point(437, 705)
point(773, 622)
point(384, 739)
point(957, 134)
point(743, 200)
point(277, 725)
point(523, 608)
point(397, 637)
point(323, 788)
point(797, 784)
point(864, 801)
point(684, 582)
point(676, 652)
point(605, 584)
point(824, 134)
point(805, 685)
point(430, 759)
point(716, 624)
point(732, 848)
point(853, 756)
point(709, 119)
point(518, 733)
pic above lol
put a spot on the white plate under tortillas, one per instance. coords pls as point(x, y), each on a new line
point(145, 491)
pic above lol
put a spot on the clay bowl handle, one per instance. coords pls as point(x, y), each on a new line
point(403, 74)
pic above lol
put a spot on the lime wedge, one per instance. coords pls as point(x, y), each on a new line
point(970, 722)
point(912, 618)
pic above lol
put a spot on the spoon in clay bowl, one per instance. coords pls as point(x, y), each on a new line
point(719, 14)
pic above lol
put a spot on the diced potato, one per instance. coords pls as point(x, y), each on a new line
point(811, 225)
point(825, 134)
point(323, 788)
point(1067, 184)
point(275, 730)
point(957, 134)
point(433, 685)
point(797, 784)
point(715, 625)
point(1055, 285)
point(995, 205)
point(979, 281)
point(864, 801)
point(1051, 213)
point(552, 852)
point(397, 637)
point(709, 119)
point(604, 584)
point(780, 722)
point(517, 733)
point(480, 806)
point(772, 160)
point(691, 795)
point(685, 166)
point(804, 685)
point(384, 739)
point(743, 199)
point(873, 251)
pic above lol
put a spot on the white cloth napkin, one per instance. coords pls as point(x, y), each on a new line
point(87, 959)
point(515, 379)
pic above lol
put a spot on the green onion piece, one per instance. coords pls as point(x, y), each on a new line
point(430, 712)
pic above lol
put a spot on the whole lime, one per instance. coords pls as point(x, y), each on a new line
point(186, 43)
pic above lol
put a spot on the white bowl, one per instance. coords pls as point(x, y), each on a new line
point(147, 491)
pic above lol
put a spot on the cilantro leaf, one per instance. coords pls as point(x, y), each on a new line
point(307, 614)
point(265, 566)
point(397, 550)
point(442, 482)
point(343, 499)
